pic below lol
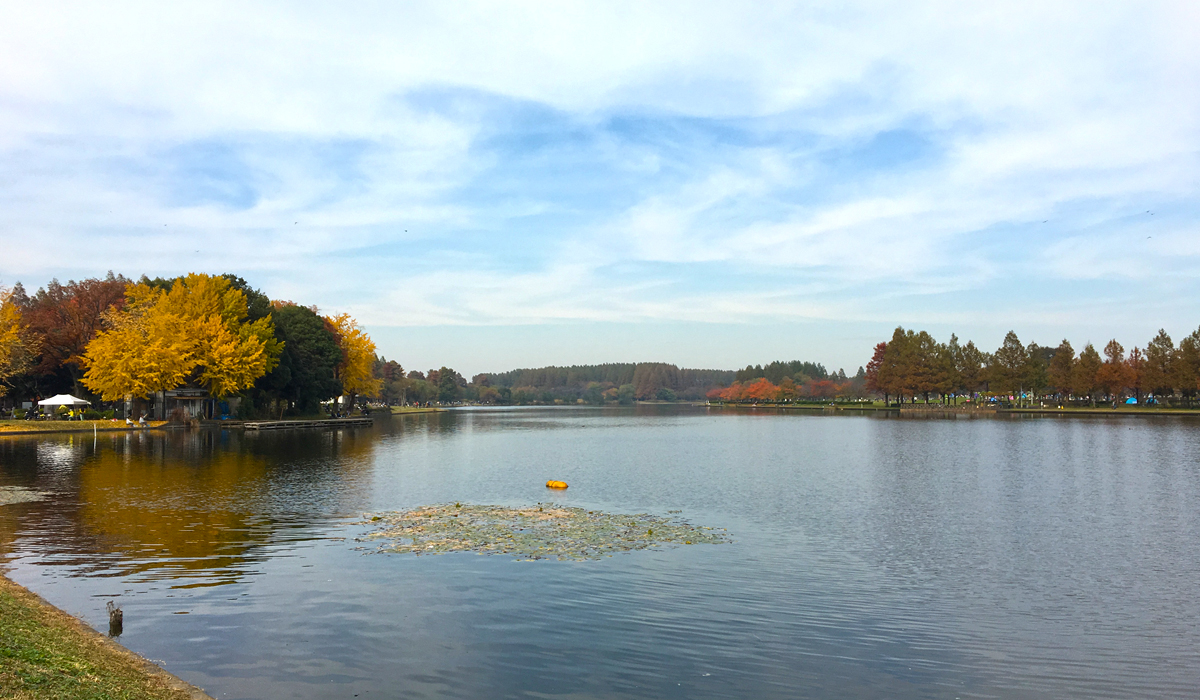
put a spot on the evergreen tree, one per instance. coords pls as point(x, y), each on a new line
point(1159, 368)
point(1008, 365)
point(970, 368)
point(1187, 365)
point(307, 370)
point(1061, 367)
point(1037, 359)
point(1083, 374)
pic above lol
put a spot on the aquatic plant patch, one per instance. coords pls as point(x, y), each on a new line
point(19, 494)
point(542, 531)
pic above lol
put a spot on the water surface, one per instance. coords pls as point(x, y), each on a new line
point(872, 557)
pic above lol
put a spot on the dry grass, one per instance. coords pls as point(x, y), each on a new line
point(17, 427)
point(45, 654)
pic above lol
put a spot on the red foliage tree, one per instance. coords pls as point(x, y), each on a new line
point(821, 389)
point(734, 392)
point(873, 370)
point(65, 318)
point(762, 390)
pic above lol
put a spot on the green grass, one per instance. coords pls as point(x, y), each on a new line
point(49, 655)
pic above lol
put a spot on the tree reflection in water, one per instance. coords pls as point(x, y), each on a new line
point(198, 507)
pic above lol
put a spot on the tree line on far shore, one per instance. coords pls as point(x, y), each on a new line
point(913, 364)
point(620, 383)
point(111, 339)
point(615, 383)
point(790, 382)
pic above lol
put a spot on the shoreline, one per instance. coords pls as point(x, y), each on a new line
point(1107, 411)
point(50, 651)
point(21, 427)
point(934, 409)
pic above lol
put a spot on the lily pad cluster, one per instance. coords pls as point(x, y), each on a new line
point(542, 531)
point(19, 494)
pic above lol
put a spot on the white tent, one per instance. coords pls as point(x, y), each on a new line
point(64, 400)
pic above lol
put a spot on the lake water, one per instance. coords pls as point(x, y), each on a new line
point(873, 556)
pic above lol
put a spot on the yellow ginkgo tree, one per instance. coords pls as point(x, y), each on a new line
point(16, 347)
point(356, 370)
point(195, 333)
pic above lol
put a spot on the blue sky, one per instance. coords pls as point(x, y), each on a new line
point(711, 184)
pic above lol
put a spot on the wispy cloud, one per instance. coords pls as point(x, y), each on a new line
point(523, 164)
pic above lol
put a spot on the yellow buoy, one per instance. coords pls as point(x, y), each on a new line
point(556, 484)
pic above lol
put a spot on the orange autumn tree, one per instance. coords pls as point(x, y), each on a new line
point(788, 390)
point(734, 392)
point(357, 369)
point(194, 333)
point(16, 347)
point(1114, 373)
point(823, 389)
point(762, 390)
point(1136, 363)
point(759, 390)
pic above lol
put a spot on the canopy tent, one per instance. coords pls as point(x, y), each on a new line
point(64, 400)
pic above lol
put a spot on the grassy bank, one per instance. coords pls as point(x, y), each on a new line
point(48, 655)
point(18, 427)
point(410, 409)
point(1122, 410)
point(1101, 411)
point(875, 406)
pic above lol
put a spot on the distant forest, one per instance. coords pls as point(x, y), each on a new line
point(799, 372)
point(617, 382)
point(611, 381)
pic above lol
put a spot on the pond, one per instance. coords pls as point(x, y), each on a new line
point(868, 556)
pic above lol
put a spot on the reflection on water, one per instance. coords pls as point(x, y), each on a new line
point(151, 511)
point(874, 556)
point(192, 507)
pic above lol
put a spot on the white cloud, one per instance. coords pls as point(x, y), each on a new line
point(725, 192)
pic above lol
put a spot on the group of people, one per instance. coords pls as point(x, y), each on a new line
point(41, 414)
point(71, 414)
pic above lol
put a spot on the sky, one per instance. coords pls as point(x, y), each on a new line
point(499, 185)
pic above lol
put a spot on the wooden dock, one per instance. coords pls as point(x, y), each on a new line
point(293, 424)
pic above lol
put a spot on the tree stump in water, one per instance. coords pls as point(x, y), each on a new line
point(116, 620)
